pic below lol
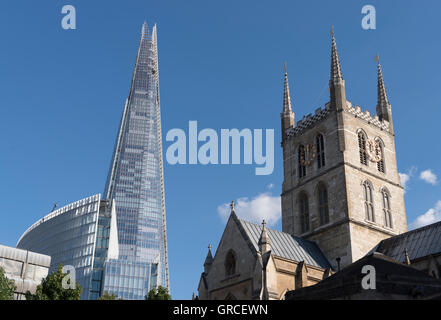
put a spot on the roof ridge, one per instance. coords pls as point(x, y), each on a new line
point(414, 230)
point(275, 230)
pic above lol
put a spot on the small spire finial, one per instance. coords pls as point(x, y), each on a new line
point(332, 31)
point(232, 205)
point(284, 67)
point(264, 241)
point(377, 59)
point(208, 260)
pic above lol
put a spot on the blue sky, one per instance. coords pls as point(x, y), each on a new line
point(63, 91)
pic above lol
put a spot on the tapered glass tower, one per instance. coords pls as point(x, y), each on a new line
point(136, 182)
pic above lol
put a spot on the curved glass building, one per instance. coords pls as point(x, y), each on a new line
point(82, 234)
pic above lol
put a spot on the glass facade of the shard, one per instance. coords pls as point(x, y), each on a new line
point(135, 182)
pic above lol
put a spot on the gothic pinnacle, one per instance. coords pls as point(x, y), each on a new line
point(382, 95)
point(335, 61)
point(264, 241)
point(286, 97)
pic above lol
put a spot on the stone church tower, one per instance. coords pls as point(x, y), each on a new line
point(341, 186)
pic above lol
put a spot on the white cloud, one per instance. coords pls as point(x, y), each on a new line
point(405, 177)
point(263, 206)
point(429, 177)
point(431, 216)
point(270, 186)
point(404, 180)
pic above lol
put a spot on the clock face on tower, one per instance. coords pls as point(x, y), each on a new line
point(373, 150)
point(309, 154)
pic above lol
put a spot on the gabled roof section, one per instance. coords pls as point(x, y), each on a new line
point(284, 245)
point(419, 243)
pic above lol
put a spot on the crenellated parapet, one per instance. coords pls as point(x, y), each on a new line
point(366, 116)
point(308, 121)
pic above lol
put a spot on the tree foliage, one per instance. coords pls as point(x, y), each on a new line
point(51, 288)
point(7, 287)
point(107, 296)
point(159, 293)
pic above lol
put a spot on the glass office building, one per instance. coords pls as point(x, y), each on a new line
point(119, 244)
point(82, 234)
point(135, 181)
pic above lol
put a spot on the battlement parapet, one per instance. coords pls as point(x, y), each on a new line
point(366, 115)
point(308, 121)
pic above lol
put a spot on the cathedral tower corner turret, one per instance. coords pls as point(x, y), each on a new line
point(287, 115)
point(384, 109)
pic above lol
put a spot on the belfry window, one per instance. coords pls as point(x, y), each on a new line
point(302, 167)
point(304, 213)
point(230, 263)
point(323, 204)
point(386, 209)
point(320, 151)
point(362, 148)
point(368, 201)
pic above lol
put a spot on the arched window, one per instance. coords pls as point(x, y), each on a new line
point(320, 151)
point(230, 263)
point(304, 213)
point(323, 204)
point(368, 201)
point(386, 209)
point(380, 164)
point(362, 148)
point(302, 167)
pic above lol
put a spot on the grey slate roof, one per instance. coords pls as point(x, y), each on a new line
point(419, 243)
point(394, 279)
point(287, 246)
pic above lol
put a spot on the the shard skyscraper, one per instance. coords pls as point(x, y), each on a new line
point(136, 182)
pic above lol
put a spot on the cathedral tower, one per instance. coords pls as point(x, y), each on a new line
point(341, 186)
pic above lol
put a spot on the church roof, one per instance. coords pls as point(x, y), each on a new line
point(419, 243)
point(392, 277)
point(285, 245)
